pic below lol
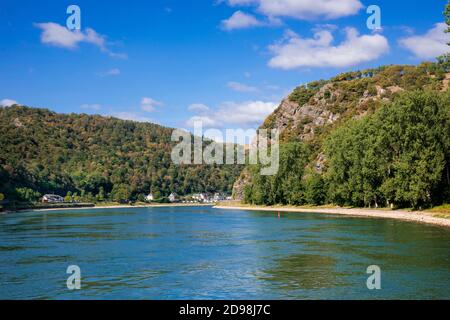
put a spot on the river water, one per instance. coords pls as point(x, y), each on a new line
point(206, 253)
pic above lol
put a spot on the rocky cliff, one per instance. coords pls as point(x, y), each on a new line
point(311, 111)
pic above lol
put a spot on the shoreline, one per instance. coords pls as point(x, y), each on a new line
point(411, 216)
point(126, 206)
point(403, 215)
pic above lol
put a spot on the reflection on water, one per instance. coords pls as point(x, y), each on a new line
point(205, 253)
point(305, 271)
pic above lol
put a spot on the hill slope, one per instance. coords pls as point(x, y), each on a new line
point(313, 114)
point(93, 155)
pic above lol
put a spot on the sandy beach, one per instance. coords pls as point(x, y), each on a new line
point(413, 216)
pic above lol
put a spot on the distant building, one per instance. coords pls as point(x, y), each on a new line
point(218, 197)
point(149, 197)
point(173, 197)
point(200, 197)
point(52, 198)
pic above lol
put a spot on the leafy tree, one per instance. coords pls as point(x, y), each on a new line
point(27, 194)
point(92, 155)
point(315, 189)
point(399, 155)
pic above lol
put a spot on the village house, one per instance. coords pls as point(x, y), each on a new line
point(149, 197)
point(200, 197)
point(52, 198)
point(173, 197)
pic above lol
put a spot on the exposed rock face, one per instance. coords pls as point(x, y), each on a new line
point(239, 185)
point(330, 103)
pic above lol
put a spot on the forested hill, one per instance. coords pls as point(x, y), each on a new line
point(378, 137)
point(94, 156)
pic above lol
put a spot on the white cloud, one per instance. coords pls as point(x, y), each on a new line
point(296, 52)
point(8, 102)
point(240, 87)
point(198, 107)
point(149, 104)
point(206, 121)
point(429, 45)
point(240, 20)
point(310, 9)
point(232, 114)
point(59, 36)
point(94, 106)
point(303, 9)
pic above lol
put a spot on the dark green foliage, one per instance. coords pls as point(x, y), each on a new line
point(303, 94)
point(399, 155)
point(315, 189)
point(285, 187)
point(95, 158)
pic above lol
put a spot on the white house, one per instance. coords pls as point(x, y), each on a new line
point(200, 197)
point(149, 197)
point(52, 198)
point(173, 197)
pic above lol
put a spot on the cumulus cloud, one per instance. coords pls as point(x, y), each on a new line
point(198, 107)
point(149, 104)
point(429, 45)
point(303, 9)
point(240, 20)
point(232, 114)
point(8, 102)
point(206, 121)
point(240, 87)
point(56, 35)
point(319, 51)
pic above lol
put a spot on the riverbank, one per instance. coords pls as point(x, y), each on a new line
point(112, 206)
point(405, 215)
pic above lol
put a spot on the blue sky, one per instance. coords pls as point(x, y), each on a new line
point(228, 63)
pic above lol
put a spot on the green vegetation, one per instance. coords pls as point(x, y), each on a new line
point(94, 158)
point(398, 156)
point(282, 187)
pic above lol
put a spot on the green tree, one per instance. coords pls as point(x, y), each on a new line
point(101, 194)
point(27, 194)
point(397, 156)
point(315, 189)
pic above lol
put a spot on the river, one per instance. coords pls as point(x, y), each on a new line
point(207, 253)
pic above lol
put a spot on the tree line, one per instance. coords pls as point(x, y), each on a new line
point(399, 156)
point(95, 158)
